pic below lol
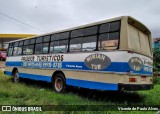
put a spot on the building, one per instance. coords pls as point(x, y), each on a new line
point(156, 42)
point(4, 38)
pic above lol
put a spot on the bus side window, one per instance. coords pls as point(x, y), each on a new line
point(76, 33)
point(114, 26)
point(64, 35)
point(28, 47)
point(104, 28)
point(38, 48)
point(109, 37)
point(28, 50)
point(63, 45)
point(59, 42)
point(108, 41)
point(45, 47)
point(55, 37)
point(15, 51)
point(76, 44)
point(46, 40)
point(10, 49)
point(90, 30)
point(32, 41)
point(20, 48)
point(89, 43)
point(59, 46)
point(38, 45)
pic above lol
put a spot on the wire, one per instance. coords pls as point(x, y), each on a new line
point(7, 20)
point(21, 22)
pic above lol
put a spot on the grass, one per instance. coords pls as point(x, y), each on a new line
point(39, 93)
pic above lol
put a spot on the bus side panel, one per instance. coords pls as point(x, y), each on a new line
point(94, 70)
point(88, 80)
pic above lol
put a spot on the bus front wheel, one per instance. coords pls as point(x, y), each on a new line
point(59, 84)
point(15, 76)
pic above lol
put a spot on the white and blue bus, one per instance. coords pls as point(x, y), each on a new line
point(114, 54)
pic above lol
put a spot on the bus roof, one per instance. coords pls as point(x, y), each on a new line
point(91, 24)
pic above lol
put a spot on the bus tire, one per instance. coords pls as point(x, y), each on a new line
point(15, 76)
point(59, 83)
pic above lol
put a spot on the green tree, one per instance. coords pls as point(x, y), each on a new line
point(156, 59)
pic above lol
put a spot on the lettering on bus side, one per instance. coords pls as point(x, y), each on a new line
point(43, 58)
point(97, 61)
point(28, 58)
point(43, 61)
point(136, 63)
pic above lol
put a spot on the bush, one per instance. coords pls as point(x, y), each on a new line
point(156, 59)
point(156, 80)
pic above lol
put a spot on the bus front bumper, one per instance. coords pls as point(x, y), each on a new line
point(135, 87)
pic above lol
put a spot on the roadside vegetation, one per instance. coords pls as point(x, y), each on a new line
point(156, 61)
point(29, 92)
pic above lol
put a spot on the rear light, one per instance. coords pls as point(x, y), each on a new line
point(143, 78)
point(132, 80)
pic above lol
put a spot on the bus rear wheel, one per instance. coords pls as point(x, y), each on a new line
point(15, 76)
point(59, 84)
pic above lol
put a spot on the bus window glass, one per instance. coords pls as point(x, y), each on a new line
point(63, 45)
point(113, 36)
point(75, 44)
point(19, 50)
point(54, 47)
point(51, 47)
point(90, 31)
point(15, 52)
point(104, 28)
point(89, 43)
point(38, 48)
point(76, 33)
point(64, 35)
point(55, 37)
point(10, 51)
point(11, 44)
point(27, 50)
point(16, 44)
point(108, 41)
point(46, 39)
point(21, 43)
point(39, 40)
point(45, 47)
point(59, 46)
point(26, 42)
point(114, 26)
point(32, 41)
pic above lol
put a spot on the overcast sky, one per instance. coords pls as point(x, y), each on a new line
point(43, 16)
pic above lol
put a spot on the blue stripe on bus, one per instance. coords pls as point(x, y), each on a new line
point(8, 73)
point(92, 85)
point(32, 76)
point(72, 82)
point(114, 67)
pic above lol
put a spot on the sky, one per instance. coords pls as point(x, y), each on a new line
point(43, 16)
